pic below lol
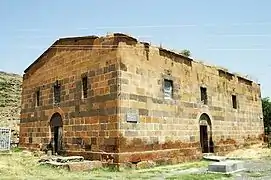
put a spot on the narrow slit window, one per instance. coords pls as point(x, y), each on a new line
point(168, 89)
point(57, 93)
point(203, 94)
point(234, 102)
point(38, 98)
point(85, 87)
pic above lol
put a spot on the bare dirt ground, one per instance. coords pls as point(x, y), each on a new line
point(257, 162)
point(253, 152)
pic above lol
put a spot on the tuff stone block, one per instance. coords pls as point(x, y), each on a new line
point(84, 166)
point(227, 166)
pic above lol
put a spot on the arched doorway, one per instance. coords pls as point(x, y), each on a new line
point(206, 141)
point(56, 125)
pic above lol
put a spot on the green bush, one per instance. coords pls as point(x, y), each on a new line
point(16, 149)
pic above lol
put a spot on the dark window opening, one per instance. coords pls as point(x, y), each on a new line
point(168, 89)
point(203, 95)
point(234, 102)
point(57, 93)
point(85, 87)
point(38, 98)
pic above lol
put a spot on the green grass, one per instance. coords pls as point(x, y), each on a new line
point(24, 166)
point(177, 167)
point(200, 177)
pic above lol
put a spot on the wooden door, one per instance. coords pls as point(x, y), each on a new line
point(58, 139)
point(204, 139)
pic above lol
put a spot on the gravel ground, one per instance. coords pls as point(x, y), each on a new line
point(257, 164)
point(255, 169)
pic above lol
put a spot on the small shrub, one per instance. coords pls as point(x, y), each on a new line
point(186, 53)
point(16, 149)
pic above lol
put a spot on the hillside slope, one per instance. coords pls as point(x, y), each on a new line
point(10, 100)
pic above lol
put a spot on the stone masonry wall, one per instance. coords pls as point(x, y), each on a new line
point(90, 125)
point(168, 130)
point(127, 77)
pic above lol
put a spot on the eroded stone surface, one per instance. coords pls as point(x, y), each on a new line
point(84, 166)
point(215, 158)
point(69, 159)
point(55, 164)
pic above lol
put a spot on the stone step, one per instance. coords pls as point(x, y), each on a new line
point(76, 166)
point(55, 164)
point(228, 166)
point(215, 158)
point(69, 159)
point(208, 154)
point(61, 159)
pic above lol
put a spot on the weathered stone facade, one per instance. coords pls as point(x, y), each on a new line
point(125, 116)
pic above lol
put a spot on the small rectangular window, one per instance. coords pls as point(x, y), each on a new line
point(57, 93)
point(203, 95)
point(234, 102)
point(168, 89)
point(38, 98)
point(85, 87)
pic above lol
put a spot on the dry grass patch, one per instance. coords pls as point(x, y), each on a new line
point(24, 166)
point(257, 151)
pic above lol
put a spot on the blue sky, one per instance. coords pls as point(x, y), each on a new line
point(233, 34)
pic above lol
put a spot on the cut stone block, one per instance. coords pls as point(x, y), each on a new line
point(84, 166)
point(69, 159)
point(228, 166)
point(76, 166)
point(208, 154)
point(55, 164)
point(215, 158)
point(47, 158)
point(61, 159)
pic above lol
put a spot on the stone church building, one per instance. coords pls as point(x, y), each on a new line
point(115, 98)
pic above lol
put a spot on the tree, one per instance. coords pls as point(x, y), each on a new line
point(186, 53)
point(266, 104)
